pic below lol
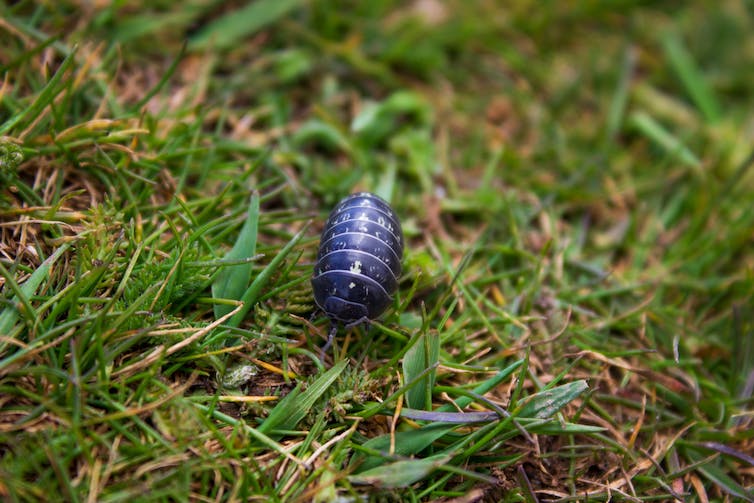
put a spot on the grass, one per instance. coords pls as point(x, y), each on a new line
point(575, 318)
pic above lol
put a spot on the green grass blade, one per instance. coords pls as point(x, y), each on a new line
point(547, 403)
point(720, 478)
point(449, 417)
point(319, 132)
point(233, 280)
point(400, 473)
point(484, 386)
point(251, 295)
point(153, 23)
point(163, 80)
point(425, 353)
point(691, 77)
point(385, 186)
point(377, 120)
point(45, 97)
point(617, 111)
point(9, 315)
point(558, 428)
point(296, 405)
point(656, 132)
point(407, 443)
point(233, 27)
point(254, 432)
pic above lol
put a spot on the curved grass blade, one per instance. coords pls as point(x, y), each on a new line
point(407, 443)
point(401, 473)
point(424, 354)
point(46, 96)
point(251, 295)
point(22, 292)
point(691, 77)
point(719, 477)
point(296, 404)
point(230, 29)
point(547, 403)
point(652, 129)
point(483, 387)
point(232, 280)
point(728, 451)
point(450, 417)
point(254, 432)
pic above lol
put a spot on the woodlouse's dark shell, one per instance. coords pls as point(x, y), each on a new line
point(359, 259)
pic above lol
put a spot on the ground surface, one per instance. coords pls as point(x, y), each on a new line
point(575, 317)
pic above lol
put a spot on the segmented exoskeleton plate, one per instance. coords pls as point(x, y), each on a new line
point(359, 260)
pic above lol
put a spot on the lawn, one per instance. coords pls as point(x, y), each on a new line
point(575, 316)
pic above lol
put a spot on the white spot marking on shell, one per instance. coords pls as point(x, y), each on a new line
point(356, 267)
point(351, 284)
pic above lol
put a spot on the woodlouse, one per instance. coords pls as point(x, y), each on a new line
point(359, 261)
